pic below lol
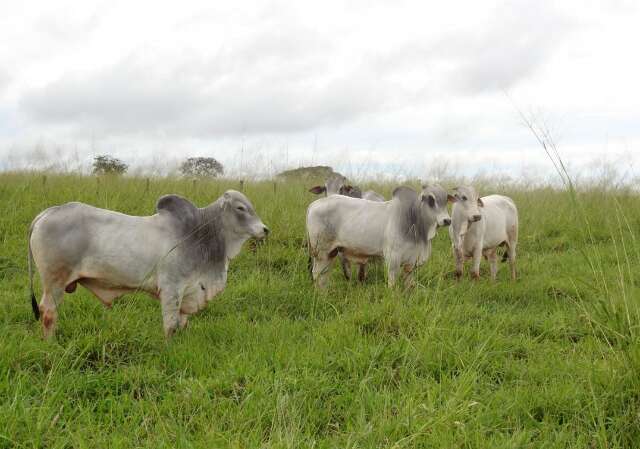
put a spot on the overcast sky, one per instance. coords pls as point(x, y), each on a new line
point(367, 86)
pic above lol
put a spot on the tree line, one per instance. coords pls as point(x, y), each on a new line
point(202, 167)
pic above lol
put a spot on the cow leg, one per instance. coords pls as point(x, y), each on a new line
point(321, 266)
point(459, 258)
point(362, 272)
point(511, 249)
point(346, 266)
point(51, 299)
point(184, 319)
point(409, 279)
point(170, 301)
point(477, 257)
point(393, 270)
point(492, 257)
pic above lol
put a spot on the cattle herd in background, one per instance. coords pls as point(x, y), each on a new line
point(181, 254)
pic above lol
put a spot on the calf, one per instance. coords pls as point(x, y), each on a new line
point(479, 226)
point(399, 230)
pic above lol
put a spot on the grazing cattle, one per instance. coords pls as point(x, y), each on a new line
point(338, 185)
point(479, 226)
point(399, 230)
point(180, 255)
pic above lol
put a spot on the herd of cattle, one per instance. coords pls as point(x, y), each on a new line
point(181, 254)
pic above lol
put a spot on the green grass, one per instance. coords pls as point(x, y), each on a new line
point(549, 361)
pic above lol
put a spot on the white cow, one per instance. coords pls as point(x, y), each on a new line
point(399, 230)
point(479, 226)
point(338, 184)
point(179, 255)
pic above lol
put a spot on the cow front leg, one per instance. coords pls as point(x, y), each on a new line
point(409, 279)
point(459, 258)
point(170, 301)
point(346, 266)
point(184, 320)
point(393, 270)
point(320, 271)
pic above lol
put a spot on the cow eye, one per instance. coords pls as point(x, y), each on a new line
point(241, 208)
point(464, 198)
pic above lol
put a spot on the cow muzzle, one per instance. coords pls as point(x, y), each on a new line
point(263, 233)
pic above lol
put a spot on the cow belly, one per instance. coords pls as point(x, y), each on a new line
point(104, 291)
point(355, 256)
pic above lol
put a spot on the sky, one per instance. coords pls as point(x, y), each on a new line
point(372, 88)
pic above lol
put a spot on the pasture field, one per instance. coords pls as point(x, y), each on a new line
point(549, 361)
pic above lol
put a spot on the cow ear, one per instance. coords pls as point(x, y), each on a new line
point(451, 198)
point(226, 200)
point(480, 203)
point(178, 207)
point(318, 189)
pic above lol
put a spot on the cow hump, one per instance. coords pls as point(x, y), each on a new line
point(180, 209)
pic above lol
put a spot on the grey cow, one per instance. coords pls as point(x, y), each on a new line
point(339, 185)
point(180, 255)
point(399, 230)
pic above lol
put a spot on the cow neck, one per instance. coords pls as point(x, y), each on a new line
point(207, 239)
point(418, 224)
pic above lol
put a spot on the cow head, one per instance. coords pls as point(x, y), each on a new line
point(468, 204)
point(337, 185)
point(421, 214)
point(434, 199)
point(240, 217)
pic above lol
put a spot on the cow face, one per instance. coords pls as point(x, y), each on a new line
point(240, 216)
point(468, 203)
point(434, 204)
point(337, 185)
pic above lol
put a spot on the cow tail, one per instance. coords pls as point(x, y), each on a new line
point(34, 302)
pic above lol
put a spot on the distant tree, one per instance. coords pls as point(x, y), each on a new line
point(108, 165)
point(202, 167)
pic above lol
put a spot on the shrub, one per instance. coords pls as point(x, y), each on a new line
point(202, 167)
point(108, 165)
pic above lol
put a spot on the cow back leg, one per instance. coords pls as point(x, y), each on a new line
point(346, 266)
point(170, 302)
point(362, 272)
point(477, 258)
point(51, 299)
point(511, 251)
point(321, 266)
point(492, 257)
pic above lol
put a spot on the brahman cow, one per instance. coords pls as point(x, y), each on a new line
point(479, 226)
point(180, 255)
point(339, 185)
point(399, 230)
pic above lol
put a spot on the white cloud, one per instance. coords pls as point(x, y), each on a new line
point(379, 85)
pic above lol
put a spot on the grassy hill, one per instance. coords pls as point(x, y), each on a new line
point(551, 360)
